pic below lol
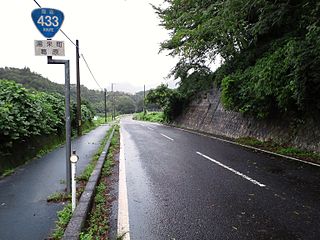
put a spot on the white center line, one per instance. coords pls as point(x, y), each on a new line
point(166, 137)
point(232, 170)
point(150, 128)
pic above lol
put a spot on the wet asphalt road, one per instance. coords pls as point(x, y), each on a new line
point(186, 186)
point(24, 211)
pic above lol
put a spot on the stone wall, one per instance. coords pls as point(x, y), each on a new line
point(206, 114)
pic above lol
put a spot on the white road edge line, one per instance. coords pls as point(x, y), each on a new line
point(166, 137)
point(239, 144)
point(123, 210)
point(232, 170)
point(246, 146)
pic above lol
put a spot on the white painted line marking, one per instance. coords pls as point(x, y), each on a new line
point(166, 137)
point(232, 170)
point(150, 128)
point(246, 146)
point(123, 211)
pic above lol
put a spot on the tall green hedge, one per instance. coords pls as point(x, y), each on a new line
point(25, 114)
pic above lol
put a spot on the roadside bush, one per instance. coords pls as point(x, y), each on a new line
point(275, 84)
point(171, 101)
point(25, 114)
point(149, 116)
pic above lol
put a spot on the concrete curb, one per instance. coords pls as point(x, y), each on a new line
point(79, 216)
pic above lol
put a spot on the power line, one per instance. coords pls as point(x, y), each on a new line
point(37, 3)
point(60, 29)
point(68, 38)
point(76, 47)
point(91, 72)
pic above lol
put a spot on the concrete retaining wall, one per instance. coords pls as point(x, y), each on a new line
point(206, 114)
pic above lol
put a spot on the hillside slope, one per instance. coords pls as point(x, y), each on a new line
point(269, 49)
point(268, 84)
point(124, 102)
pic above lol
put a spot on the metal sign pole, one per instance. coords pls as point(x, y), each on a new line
point(68, 118)
point(48, 21)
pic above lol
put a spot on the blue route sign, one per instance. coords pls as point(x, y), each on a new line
point(47, 20)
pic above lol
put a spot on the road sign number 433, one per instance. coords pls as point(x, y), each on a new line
point(48, 21)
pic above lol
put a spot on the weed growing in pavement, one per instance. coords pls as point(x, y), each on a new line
point(98, 221)
point(85, 175)
point(65, 215)
point(59, 197)
point(121, 236)
point(8, 172)
point(250, 141)
point(280, 149)
point(291, 151)
point(90, 167)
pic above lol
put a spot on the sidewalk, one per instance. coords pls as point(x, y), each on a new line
point(24, 211)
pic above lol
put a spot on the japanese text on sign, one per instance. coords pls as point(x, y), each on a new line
point(49, 48)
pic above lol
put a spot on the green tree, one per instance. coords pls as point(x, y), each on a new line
point(125, 105)
point(270, 52)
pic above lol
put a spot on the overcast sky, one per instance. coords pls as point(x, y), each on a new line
point(119, 39)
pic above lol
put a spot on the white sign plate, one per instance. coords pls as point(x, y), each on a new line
point(49, 48)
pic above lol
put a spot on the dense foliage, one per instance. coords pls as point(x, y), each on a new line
point(124, 102)
point(170, 101)
point(25, 114)
point(149, 116)
point(270, 52)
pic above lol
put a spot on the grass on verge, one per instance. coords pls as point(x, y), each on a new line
point(8, 172)
point(281, 149)
point(65, 214)
point(98, 221)
point(149, 116)
point(59, 197)
point(64, 217)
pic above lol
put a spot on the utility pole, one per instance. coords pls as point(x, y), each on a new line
point(113, 110)
point(105, 105)
point(79, 127)
point(144, 99)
